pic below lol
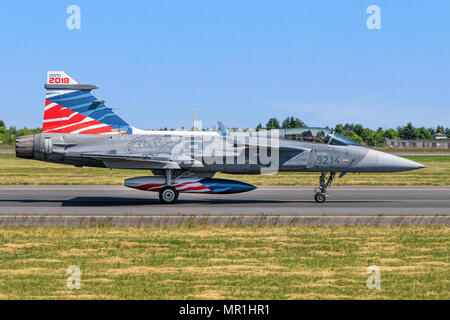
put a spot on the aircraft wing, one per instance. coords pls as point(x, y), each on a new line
point(143, 161)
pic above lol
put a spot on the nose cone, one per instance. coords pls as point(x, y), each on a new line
point(376, 161)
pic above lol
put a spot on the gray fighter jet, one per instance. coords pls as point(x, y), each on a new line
point(80, 130)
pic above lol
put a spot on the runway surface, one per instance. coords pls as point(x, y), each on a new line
point(80, 205)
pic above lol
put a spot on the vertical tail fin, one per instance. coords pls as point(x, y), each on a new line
point(71, 108)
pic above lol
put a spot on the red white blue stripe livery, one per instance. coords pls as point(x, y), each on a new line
point(190, 185)
point(71, 108)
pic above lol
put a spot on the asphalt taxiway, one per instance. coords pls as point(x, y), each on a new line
point(80, 205)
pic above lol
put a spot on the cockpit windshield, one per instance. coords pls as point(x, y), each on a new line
point(318, 135)
point(340, 140)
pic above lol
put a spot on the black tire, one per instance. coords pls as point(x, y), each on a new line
point(168, 195)
point(320, 197)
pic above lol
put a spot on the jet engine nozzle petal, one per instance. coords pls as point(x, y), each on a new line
point(25, 147)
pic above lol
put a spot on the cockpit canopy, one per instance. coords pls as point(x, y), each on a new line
point(318, 135)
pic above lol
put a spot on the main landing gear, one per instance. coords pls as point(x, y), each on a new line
point(168, 194)
point(321, 192)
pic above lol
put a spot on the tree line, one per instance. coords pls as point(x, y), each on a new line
point(355, 132)
point(8, 135)
point(364, 136)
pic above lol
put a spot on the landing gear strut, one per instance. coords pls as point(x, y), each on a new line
point(168, 194)
point(321, 192)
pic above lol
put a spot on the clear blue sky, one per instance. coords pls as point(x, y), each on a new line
point(238, 61)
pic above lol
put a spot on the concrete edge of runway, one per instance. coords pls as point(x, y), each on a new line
point(231, 221)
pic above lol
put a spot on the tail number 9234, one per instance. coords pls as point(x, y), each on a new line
point(328, 160)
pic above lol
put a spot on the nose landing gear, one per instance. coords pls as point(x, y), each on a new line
point(320, 197)
point(321, 192)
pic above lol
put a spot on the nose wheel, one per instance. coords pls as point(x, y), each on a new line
point(321, 192)
point(168, 195)
point(320, 197)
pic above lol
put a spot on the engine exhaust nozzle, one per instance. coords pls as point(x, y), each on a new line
point(25, 147)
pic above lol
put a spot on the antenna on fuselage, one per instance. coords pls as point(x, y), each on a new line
point(222, 129)
point(193, 119)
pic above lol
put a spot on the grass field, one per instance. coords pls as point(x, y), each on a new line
point(209, 262)
point(428, 150)
point(14, 171)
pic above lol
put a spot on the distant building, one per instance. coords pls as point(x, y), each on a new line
point(439, 135)
point(441, 143)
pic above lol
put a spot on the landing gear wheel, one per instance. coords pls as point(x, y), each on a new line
point(320, 197)
point(168, 195)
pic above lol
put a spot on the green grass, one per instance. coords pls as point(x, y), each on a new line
point(208, 262)
point(428, 150)
point(15, 171)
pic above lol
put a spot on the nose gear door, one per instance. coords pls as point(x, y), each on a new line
point(311, 159)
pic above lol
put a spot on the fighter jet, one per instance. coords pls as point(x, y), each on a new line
point(80, 130)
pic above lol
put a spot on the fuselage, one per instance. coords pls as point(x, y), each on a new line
point(209, 152)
